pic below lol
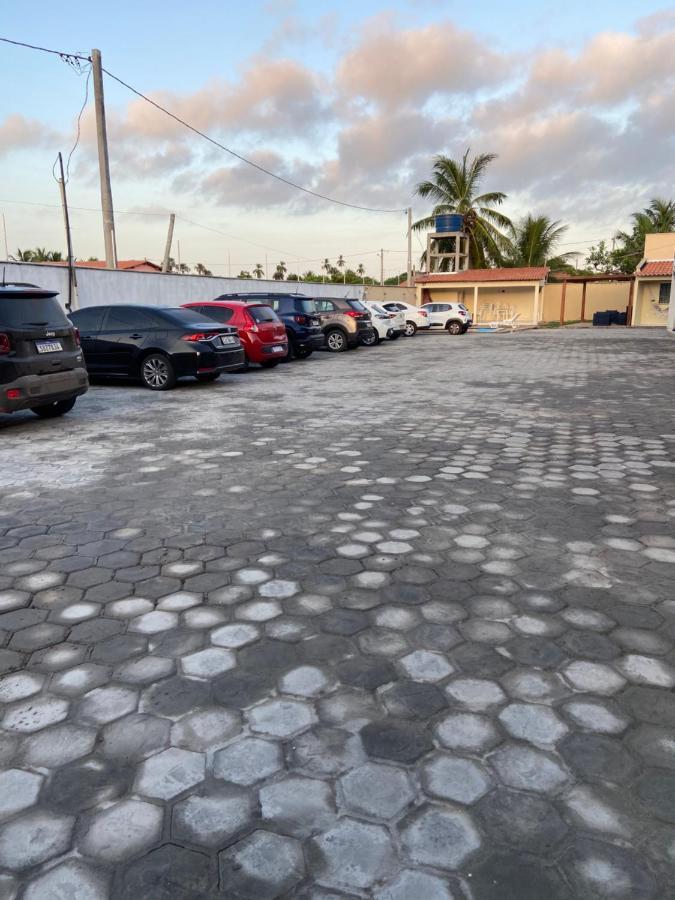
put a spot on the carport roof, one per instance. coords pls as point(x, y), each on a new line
point(656, 267)
point(523, 273)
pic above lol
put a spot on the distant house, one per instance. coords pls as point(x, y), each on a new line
point(128, 265)
point(653, 280)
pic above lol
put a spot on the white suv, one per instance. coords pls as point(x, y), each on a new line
point(454, 317)
point(416, 317)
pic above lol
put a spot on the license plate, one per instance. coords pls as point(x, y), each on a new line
point(228, 339)
point(277, 349)
point(48, 346)
point(315, 322)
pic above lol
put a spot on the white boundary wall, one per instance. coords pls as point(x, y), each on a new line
point(97, 287)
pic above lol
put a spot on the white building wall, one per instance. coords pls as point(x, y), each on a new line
point(96, 287)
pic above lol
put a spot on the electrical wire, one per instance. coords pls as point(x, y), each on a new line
point(79, 121)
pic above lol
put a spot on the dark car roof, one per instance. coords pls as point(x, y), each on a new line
point(231, 304)
point(257, 294)
point(19, 289)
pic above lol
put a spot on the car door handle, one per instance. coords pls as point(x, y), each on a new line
point(135, 336)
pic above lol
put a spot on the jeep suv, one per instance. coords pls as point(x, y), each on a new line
point(41, 363)
point(344, 322)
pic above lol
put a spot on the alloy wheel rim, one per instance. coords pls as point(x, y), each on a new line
point(155, 372)
point(335, 341)
point(409, 330)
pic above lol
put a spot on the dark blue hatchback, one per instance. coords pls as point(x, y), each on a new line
point(300, 317)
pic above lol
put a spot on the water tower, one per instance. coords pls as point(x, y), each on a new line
point(448, 241)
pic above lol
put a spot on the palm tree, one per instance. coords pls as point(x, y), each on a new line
point(361, 271)
point(22, 255)
point(280, 271)
point(532, 241)
point(258, 271)
point(326, 266)
point(455, 189)
point(184, 269)
point(40, 254)
point(340, 262)
point(200, 269)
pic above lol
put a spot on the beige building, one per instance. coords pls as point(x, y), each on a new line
point(653, 281)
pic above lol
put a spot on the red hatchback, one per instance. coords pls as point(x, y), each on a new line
point(261, 331)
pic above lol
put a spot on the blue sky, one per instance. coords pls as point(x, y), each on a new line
point(330, 121)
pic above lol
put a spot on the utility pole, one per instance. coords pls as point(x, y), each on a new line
point(409, 246)
point(4, 230)
point(179, 263)
point(229, 270)
point(104, 164)
point(169, 239)
point(381, 267)
point(266, 272)
point(72, 283)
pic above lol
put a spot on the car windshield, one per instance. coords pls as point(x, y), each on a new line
point(20, 312)
point(262, 314)
point(357, 305)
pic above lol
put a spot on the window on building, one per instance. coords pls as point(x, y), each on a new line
point(664, 293)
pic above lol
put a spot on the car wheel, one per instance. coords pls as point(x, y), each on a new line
point(370, 338)
point(208, 376)
point(336, 341)
point(454, 327)
point(52, 410)
point(270, 363)
point(393, 336)
point(410, 329)
point(301, 353)
point(157, 372)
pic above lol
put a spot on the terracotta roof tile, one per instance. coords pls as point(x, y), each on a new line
point(657, 267)
point(524, 273)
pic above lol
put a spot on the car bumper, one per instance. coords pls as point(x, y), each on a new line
point(208, 361)
point(309, 341)
point(275, 351)
point(38, 390)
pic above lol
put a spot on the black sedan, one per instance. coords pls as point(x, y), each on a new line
point(156, 345)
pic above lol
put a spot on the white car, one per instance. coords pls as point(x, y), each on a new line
point(415, 316)
point(454, 317)
point(382, 323)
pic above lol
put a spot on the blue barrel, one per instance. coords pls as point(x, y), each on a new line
point(450, 222)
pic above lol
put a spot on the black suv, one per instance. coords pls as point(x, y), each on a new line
point(300, 317)
point(156, 345)
point(41, 363)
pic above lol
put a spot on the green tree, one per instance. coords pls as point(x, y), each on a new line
point(258, 271)
point(455, 188)
point(280, 271)
point(361, 272)
point(22, 255)
point(244, 274)
point(39, 254)
point(600, 259)
point(326, 267)
point(658, 217)
point(340, 263)
point(532, 241)
point(200, 269)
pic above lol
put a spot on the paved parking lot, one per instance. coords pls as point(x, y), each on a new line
point(397, 623)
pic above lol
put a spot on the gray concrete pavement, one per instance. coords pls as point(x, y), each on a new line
point(398, 623)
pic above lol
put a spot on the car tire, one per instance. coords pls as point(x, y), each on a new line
point(372, 339)
point(270, 363)
point(301, 353)
point(393, 336)
point(454, 327)
point(157, 372)
point(336, 341)
point(206, 377)
point(52, 410)
point(410, 329)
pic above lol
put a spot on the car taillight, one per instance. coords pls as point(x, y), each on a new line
point(355, 314)
point(77, 337)
point(200, 336)
point(13, 394)
point(249, 323)
point(5, 346)
point(302, 320)
point(424, 313)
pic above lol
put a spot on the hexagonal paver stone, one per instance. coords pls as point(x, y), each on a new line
point(647, 670)
point(247, 761)
point(34, 838)
point(597, 869)
point(325, 751)
point(122, 831)
point(281, 718)
point(19, 685)
point(105, 704)
point(593, 677)
point(353, 854)
point(154, 622)
point(376, 790)
point(174, 697)
point(259, 610)
point(656, 791)
point(410, 884)
point(72, 879)
point(279, 589)
point(453, 778)
point(134, 737)
point(398, 741)
point(520, 876)
point(524, 821)
point(145, 670)
point(522, 767)
point(33, 715)
point(86, 783)
point(414, 700)
point(18, 791)
point(305, 681)
point(263, 865)
point(425, 665)
point(477, 694)
point(593, 715)
point(79, 679)
point(298, 806)
point(169, 773)
point(58, 746)
point(213, 817)
point(596, 757)
point(168, 873)
point(534, 723)
point(439, 836)
point(208, 663)
point(235, 636)
point(467, 732)
point(206, 729)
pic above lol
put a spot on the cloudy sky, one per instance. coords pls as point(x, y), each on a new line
point(351, 99)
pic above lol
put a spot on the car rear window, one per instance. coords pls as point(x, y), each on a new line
point(357, 305)
point(24, 312)
point(89, 319)
point(308, 307)
point(262, 314)
point(220, 314)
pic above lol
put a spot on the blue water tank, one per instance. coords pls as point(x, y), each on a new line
point(450, 222)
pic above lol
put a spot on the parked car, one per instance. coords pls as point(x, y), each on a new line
point(300, 317)
point(396, 318)
point(156, 345)
point(344, 322)
point(261, 332)
point(382, 325)
point(416, 317)
point(454, 317)
point(41, 363)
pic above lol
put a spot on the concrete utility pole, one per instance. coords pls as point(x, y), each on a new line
point(409, 246)
point(4, 229)
point(72, 282)
point(169, 239)
point(104, 164)
point(381, 267)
